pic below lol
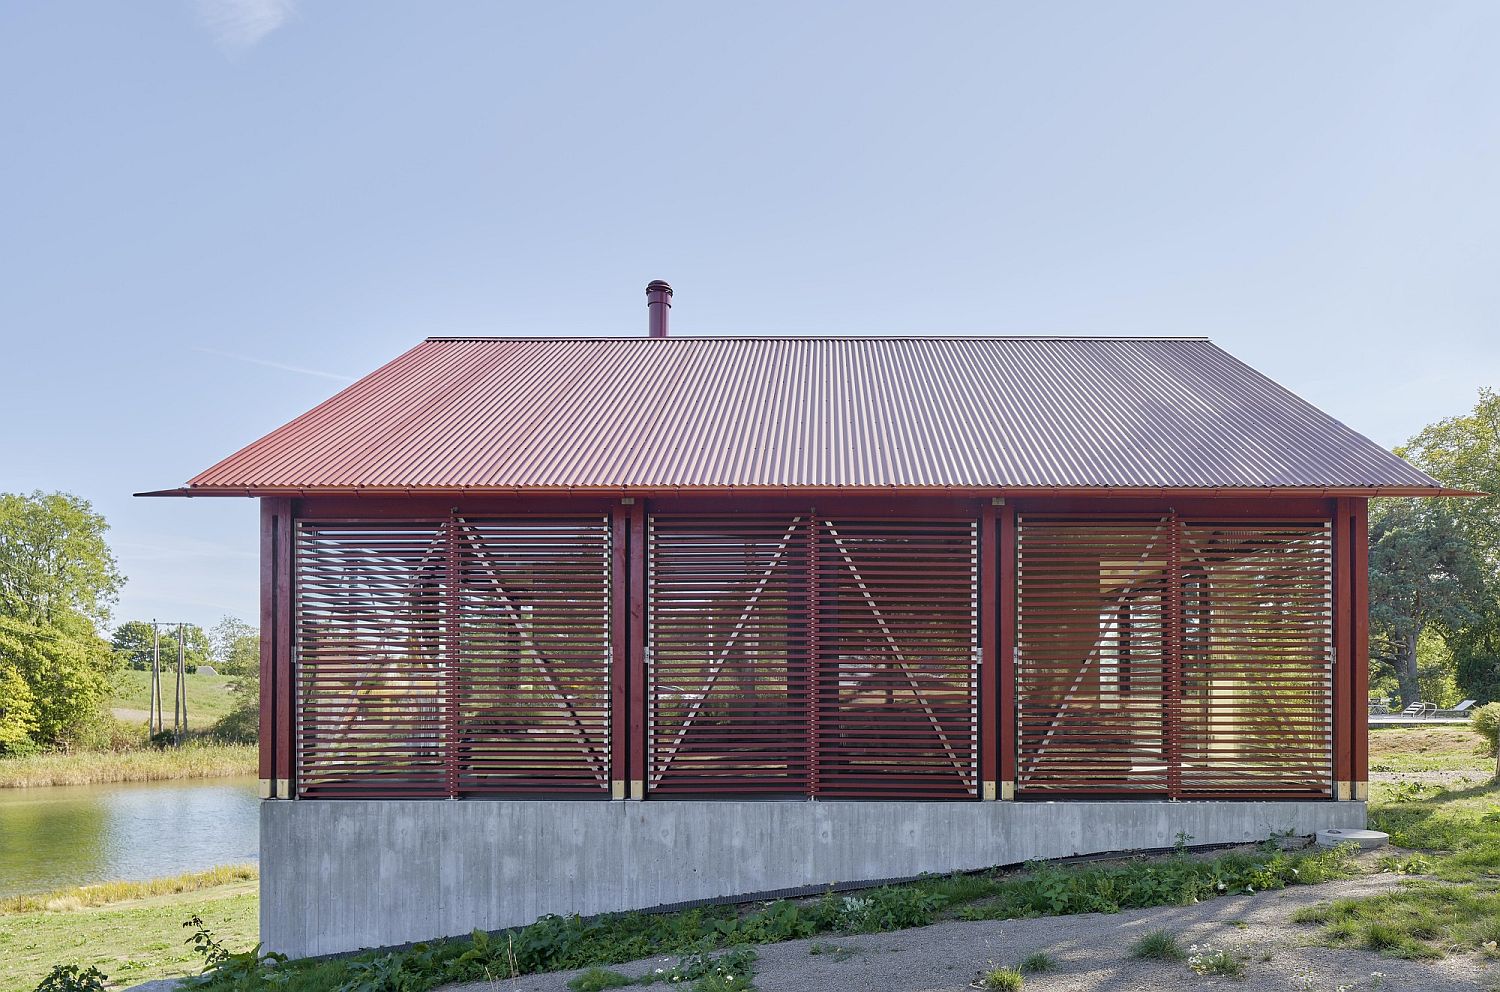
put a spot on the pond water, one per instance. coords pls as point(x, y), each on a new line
point(73, 835)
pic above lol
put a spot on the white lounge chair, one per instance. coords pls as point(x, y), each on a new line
point(1462, 709)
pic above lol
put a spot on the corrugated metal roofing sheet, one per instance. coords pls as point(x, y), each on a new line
point(859, 413)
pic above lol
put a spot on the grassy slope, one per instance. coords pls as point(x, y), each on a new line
point(208, 697)
point(110, 893)
point(1454, 828)
point(131, 941)
point(194, 760)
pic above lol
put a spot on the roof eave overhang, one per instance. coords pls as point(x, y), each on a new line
point(976, 491)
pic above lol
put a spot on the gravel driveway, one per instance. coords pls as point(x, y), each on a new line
point(1092, 952)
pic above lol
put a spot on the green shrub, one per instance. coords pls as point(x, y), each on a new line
point(598, 979)
point(240, 725)
point(1158, 945)
point(1485, 722)
point(890, 908)
point(70, 978)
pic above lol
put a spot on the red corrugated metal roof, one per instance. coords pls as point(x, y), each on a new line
point(851, 413)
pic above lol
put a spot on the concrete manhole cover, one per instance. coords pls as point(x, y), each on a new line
point(1368, 840)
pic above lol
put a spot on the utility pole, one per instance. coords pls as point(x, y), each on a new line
point(179, 704)
point(154, 723)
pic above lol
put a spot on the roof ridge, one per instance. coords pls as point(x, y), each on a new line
point(820, 337)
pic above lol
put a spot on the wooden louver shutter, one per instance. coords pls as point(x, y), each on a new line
point(1091, 676)
point(728, 654)
point(1257, 658)
point(457, 657)
point(1179, 656)
point(533, 672)
point(371, 674)
point(897, 654)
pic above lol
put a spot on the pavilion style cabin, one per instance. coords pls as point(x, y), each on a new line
point(686, 619)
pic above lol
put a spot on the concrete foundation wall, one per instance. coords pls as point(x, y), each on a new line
point(338, 876)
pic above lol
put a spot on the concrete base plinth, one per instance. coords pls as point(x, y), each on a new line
point(343, 875)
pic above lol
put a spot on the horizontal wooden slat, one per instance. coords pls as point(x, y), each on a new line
point(453, 658)
point(1161, 656)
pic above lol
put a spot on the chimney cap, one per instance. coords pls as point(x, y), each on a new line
point(661, 285)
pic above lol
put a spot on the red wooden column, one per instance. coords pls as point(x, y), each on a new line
point(619, 640)
point(1343, 647)
point(1005, 726)
point(1359, 638)
point(277, 729)
point(989, 685)
point(636, 684)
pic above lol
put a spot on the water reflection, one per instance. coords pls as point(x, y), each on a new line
point(73, 835)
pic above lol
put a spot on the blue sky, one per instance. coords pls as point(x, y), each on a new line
point(214, 213)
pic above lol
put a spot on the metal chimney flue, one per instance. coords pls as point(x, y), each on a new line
point(658, 306)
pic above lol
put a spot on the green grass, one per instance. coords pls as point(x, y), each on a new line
point(208, 697)
point(130, 942)
point(1456, 832)
point(1036, 963)
point(106, 893)
point(193, 760)
point(1158, 945)
point(1441, 748)
point(1001, 980)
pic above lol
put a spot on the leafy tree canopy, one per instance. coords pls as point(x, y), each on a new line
point(1464, 452)
point(134, 645)
point(236, 647)
point(68, 672)
point(1424, 573)
point(54, 560)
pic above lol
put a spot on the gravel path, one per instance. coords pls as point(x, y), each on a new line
point(1092, 954)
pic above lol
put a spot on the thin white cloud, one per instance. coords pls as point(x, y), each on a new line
point(276, 365)
point(241, 24)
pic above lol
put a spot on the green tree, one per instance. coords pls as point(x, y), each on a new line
point(54, 561)
point(237, 651)
point(68, 671)
point(57, 582)
point(134, 646)
point(1464, 452)
point(17, 711)
point(236, 647)
point(1424, 573)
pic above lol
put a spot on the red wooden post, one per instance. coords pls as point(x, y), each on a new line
point(1359, 580)
point(636, 693)
point(286, 685)
point(989, 664)
point(619, 639)
point(267, 766)
point(814, 652)
point(1343, 678)
point(277, 728)
point(1172, 741)
point(1005, 726)
point(452, 650)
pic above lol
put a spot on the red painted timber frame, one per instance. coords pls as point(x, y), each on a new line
point(628, 570)
point(1352, 646)
point(276, 715)
point(1006, 730)
point(990, 701)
